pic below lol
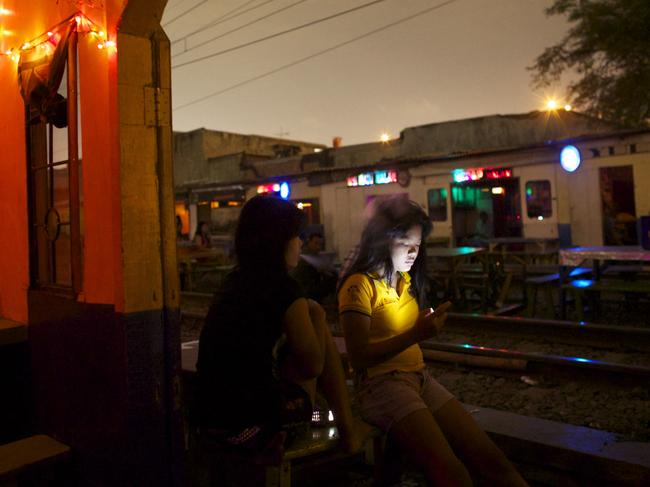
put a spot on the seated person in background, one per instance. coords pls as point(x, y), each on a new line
point(314, 274)
point(384, 314)
point(264, 346)
point(202, 235)
point(482, 231)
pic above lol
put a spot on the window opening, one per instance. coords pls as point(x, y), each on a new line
point(54, 146)
point(437, 203)
point(538, 199)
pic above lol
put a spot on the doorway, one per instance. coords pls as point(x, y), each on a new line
point(485, 209)
point(618, 208)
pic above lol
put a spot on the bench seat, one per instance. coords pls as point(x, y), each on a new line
point(547, 281)
point(29, 454)
point(579, 287)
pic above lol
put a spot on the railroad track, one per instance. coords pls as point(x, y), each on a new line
point(484, 357)
point(505, 361)
point(565, 332)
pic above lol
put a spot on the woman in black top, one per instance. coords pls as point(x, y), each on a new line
point(264, 344)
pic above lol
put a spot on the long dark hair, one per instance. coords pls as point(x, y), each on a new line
point(392, 219)
point(266, 224)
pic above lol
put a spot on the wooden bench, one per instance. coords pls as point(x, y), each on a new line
point(211, 464)
point(582, 286)
point(30, 456)
point(547, 282)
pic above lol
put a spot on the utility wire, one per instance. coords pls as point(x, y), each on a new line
point(319, 53)
point(224, 18)
point(259, 19)
point(277, 34)
point(184, 13)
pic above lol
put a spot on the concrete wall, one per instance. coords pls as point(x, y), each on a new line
point(208, 156)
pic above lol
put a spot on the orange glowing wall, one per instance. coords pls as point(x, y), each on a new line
point(14, 271)
point(99, 128)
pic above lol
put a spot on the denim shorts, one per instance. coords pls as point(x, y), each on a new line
point(388, 398)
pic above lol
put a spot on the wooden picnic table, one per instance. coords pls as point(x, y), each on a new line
point(526, 251)
point(541, 245)
point(452, 260)
point(192, 260)
point(600, 257)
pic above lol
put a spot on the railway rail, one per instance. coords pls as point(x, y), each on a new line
point(574, 365)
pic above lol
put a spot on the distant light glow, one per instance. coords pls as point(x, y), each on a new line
point(540, 218)
point(372, 178)
point(582, 283)
point(284, 190)
point(479, 173)
point(498, 190)
point(580, 359)
point(570, 158)
point(318, 149)
point(384, 137)
point(568, 108)
point(551, 104)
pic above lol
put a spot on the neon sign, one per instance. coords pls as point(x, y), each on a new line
point(478, 174)
point(283, 189)
point(372, 178)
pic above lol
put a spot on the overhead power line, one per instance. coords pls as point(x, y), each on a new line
point(224, 18)
point(319, 53)
point(259, 19)
point(184, 13)
point(278, 34)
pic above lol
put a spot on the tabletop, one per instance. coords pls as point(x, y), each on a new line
point(454, 251)
point(576, 255)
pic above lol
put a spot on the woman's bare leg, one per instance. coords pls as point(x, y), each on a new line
point(474, 446)
point(353, 431)
point(423, 443)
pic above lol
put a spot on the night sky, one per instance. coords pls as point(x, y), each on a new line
point(466, 58)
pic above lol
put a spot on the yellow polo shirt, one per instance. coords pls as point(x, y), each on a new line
point(391, 312)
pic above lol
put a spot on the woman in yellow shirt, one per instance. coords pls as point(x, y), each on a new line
point(384, 314)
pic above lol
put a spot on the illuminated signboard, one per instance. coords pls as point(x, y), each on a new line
point(479, 174)
point(282, 189)
point(372, 178)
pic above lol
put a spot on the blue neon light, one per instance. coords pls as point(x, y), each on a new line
point(580, 359)
point(570, 158)
point(284, 190)
point(582, 283)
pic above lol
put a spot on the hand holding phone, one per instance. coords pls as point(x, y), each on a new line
point(430, 321)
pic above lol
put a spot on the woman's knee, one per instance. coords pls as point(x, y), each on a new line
point(316, 312)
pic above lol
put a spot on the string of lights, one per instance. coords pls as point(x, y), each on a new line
point(317, 54)
point(278, 34)
point(224, 18)
point(48, 40)
point(259, 19)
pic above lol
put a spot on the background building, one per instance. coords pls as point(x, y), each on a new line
point(507, 166)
